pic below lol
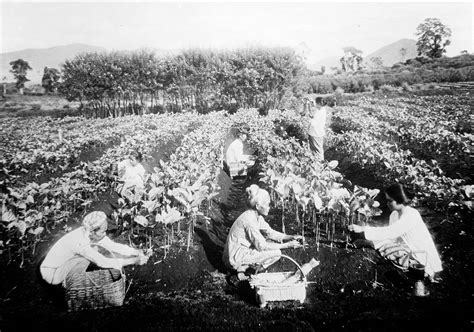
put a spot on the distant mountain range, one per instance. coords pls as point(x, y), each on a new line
point(56, 56)
point(389, 54)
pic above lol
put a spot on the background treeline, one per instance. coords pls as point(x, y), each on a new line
point(413, 71)
point(118, 83)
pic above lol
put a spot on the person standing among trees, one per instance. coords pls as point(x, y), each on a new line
point(317, 128)
point(246, 246)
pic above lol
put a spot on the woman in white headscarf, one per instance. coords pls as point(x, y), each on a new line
point(246, 245)
point(74, 252)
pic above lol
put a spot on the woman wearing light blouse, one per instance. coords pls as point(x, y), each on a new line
point(317, 129)
point(407, 225)
point(246, 245)
point(131, 174)
point(74, 252)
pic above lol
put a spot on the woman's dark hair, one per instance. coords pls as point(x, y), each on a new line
point(319, 100)
point(398, 193)
point(137, 155)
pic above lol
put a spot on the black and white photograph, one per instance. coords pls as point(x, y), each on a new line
point(236, 166)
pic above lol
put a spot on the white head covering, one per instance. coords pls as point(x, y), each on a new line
point(257, 195)
point(94, 220)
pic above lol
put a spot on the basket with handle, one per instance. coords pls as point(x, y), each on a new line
point(94, 289)
point(272, 286)
point(237, 169)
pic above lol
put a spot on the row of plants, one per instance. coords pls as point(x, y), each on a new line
point(447, 111)
point(180, 189)
point(413, 71)
point(314, 198)
point(33, 148)
point(314, 195)
point(30, 209)
point(388, 164)
point(425, 138)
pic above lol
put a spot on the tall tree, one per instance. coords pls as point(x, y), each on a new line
point(433, 37)
point(19, 70)
point(377, 61)
point(50, 79)
point(4, 86)
point(352, 59)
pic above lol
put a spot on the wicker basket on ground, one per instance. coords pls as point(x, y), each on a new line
point(94, 289)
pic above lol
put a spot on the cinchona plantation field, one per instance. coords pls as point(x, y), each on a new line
point(56, 170)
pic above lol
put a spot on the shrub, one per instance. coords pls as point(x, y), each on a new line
point(369, 88)
point(204, 80)
point(406, 87)
point(388, 88)
point(452, 75)
point(339, 96)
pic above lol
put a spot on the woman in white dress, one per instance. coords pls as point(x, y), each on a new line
point(407, 236)
point(131, 175)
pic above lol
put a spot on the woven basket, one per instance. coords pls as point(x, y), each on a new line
point(94, 289)
point(237, 169)
point(270, 287)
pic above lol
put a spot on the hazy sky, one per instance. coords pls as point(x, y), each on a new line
point(324, 27)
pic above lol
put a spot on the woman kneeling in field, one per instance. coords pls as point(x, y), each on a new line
point(407, 239)
point(246, 246)
point(131, 175)
point(73, 252)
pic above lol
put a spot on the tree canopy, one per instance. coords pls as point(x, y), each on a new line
point(50, 79)
point(199, 79)
point(352, 59)
point(19, 70)
point(433, 37)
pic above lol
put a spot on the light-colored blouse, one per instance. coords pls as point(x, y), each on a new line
point(414, 233)
point(132, 175)
point(78, 243)
point(318, 123)
point(245, 235)
point(235, 152)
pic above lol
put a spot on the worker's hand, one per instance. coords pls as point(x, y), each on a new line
point(142, 259)
point(356, 228)
point(293, 244)
point(298, 238)
point(250, 163)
